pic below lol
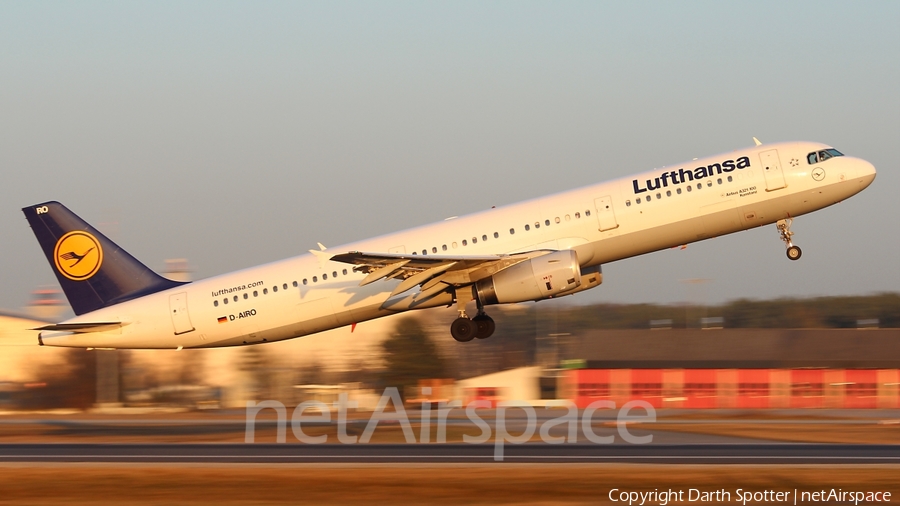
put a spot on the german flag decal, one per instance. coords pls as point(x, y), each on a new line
point(223, 319)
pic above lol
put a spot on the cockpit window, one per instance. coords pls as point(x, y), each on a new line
point(823, 155)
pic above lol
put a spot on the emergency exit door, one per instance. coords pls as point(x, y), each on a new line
point(772, 170)
point(181, 320)
point(606, 216)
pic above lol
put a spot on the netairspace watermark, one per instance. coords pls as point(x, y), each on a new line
point(745, 497)
point(319, 412)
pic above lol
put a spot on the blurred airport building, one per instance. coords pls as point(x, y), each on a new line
point(737, 368)
point(537, 356)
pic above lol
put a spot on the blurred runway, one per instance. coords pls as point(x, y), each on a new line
point(785, 453)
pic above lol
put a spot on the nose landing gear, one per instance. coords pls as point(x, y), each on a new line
point(784, 230)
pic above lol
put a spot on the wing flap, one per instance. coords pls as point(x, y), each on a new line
point(383, 272)
point(430, 270)
point(421, 277)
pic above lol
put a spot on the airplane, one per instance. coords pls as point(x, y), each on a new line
point(539, 249)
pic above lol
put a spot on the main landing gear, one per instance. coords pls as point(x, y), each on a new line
point(784, 229)
point(463, 329)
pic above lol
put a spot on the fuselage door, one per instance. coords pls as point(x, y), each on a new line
point(605, 214)
point(772, 170)
point(181, 320)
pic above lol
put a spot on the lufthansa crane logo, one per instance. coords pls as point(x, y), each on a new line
point(78, 255)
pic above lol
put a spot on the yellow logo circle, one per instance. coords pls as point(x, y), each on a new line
point(78, 255)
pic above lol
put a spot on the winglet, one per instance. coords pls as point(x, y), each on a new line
point(322, 255)
point(757, 141)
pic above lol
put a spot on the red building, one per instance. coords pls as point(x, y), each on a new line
point(844, 369)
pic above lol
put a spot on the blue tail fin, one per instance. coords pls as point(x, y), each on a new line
point(92, 270)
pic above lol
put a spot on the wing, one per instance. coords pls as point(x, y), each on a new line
point(434, 273)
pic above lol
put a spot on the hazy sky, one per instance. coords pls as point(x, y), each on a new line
point(236, 133)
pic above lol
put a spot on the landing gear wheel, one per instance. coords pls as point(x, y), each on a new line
point(784, 230)
point(484, 325)
point(463, 329)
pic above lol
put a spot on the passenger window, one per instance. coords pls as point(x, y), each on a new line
point(627, 203)
point(658, 196)
point(689, 188)
point(484, 237)
point(304, 281)
point(434, 249)
point(678, 191)
point(474, 240)
point(699, 186)
point(811, 158)
point(235, 298)
point(577, 215)
point(588, 212)
point(284, 286)
point(709, 183)
point(719, 180)
point(266, 290)
point(648, 198)
point(414, 253)
point(465, 243)
point(274, 288)
point(730, 179)
point(344, 272)
point(324, 277)
point(444, 248)
point(424, 251)
point(246, 296)
point(527, 228)
point(315, 280)
point(638, 200)
point(295, 284)
point(215, 303)
point(537, 224)
point(255, 293)
point(512, 231)
point(333, 274)
point(547, 222)
point(224, 301)
point(496, 235)
point(567, 217)
point(454, 245)
point(668, 193)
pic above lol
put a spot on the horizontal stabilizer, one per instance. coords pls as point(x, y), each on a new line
point(82, 327)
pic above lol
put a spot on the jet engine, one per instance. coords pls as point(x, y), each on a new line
point(535, 279)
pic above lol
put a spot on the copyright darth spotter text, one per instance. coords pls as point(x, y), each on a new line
point(746, 497)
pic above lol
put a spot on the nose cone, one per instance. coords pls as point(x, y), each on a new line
point(866, 173)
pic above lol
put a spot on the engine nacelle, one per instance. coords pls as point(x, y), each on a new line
point(539, 278)
point(590, 277)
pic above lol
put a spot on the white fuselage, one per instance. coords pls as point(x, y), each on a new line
point(602, 223)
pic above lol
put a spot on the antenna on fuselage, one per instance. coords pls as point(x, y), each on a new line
point(757, 141)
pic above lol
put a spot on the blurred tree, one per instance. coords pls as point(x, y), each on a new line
point(410, 355)
point(312, 373)
point(254, 362)
point(73, 385)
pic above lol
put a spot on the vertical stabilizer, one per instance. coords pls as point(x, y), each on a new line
point(92, 270)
